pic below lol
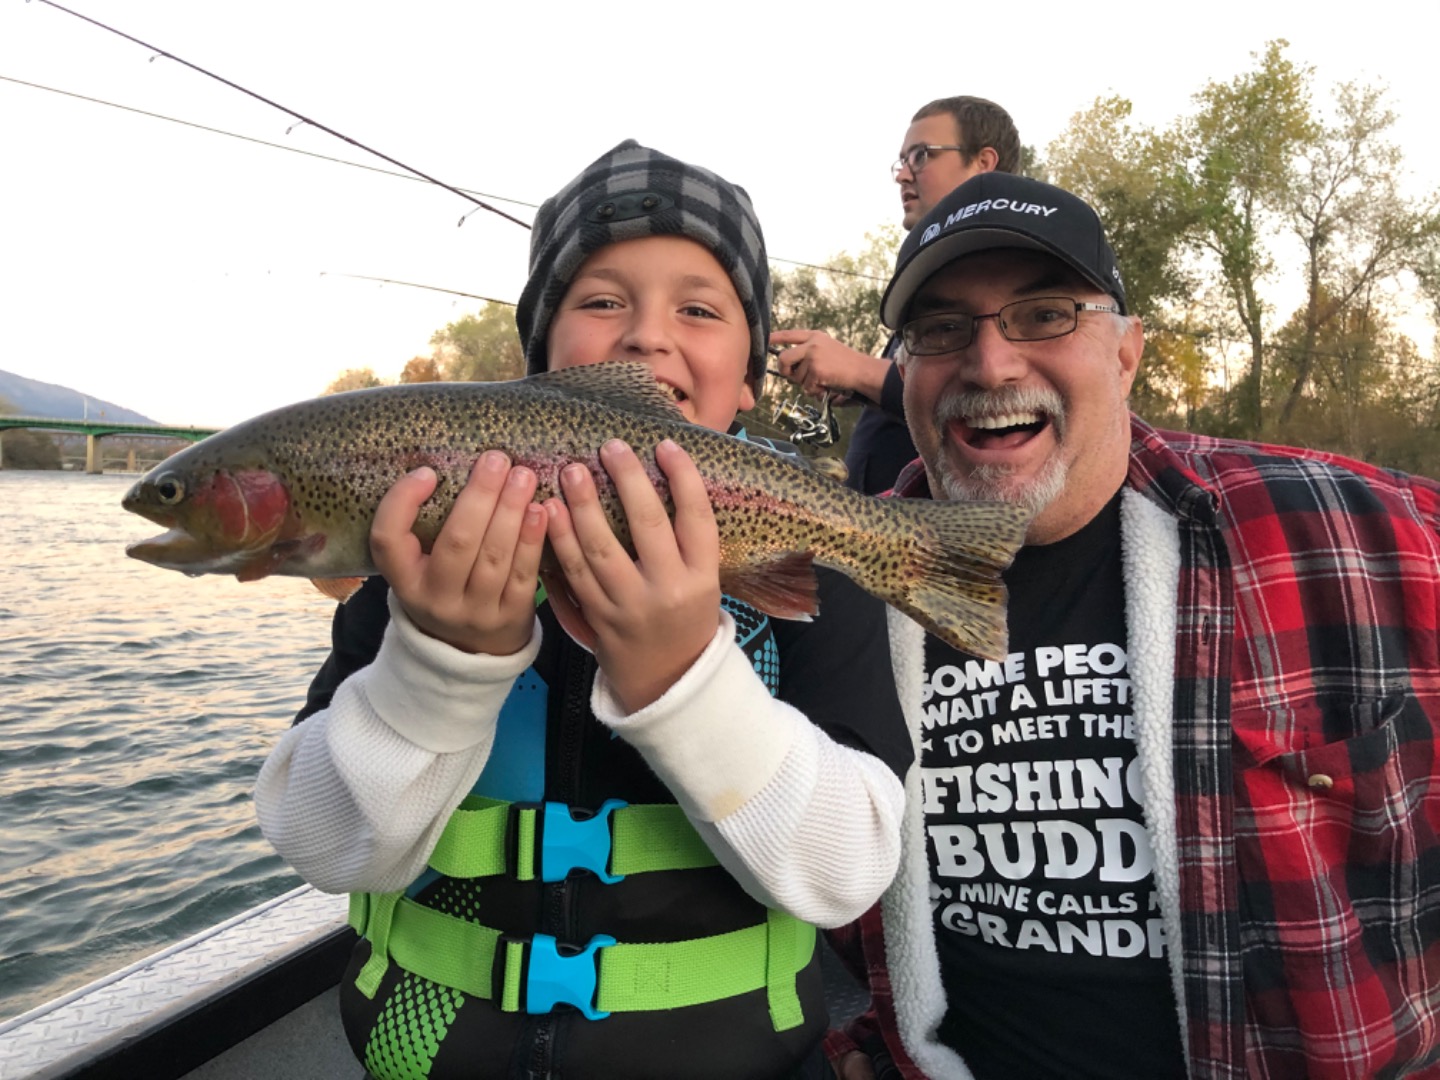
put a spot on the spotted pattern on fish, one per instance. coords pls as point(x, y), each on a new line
point(337, 456)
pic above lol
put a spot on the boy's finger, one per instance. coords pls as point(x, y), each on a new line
point(529, 547)
point(598, 546)
point(650, 529)
point(392, 544)
point(493, 560)
point(855, 1066)
point(569, 555)
point(452, 555)
point(694, 530)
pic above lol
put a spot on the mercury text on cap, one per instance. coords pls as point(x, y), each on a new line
point(989, 204)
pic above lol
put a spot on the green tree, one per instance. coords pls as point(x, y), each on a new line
point(1373, 396)
point(354, 379)
point(21, 448)
point(1358, 230)
point(484, 347)
point(843, 298)
point(1135, 179)
point(1243, 144)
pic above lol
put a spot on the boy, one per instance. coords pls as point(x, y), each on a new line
point(719, 782)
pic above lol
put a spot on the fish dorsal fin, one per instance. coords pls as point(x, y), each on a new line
point(621, 384)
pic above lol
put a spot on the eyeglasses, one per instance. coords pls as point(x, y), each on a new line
point(1040, 319)
point(917, 157)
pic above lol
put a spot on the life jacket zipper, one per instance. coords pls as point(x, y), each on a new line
point(559, 916)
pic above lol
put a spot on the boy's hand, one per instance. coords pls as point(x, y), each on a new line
point(649, 618)
point(476, 588)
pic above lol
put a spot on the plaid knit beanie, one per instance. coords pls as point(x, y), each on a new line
point(633, 191)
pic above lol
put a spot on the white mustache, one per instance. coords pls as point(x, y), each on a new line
point(967, 405)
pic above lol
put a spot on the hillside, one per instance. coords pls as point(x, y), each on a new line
point(30, 397)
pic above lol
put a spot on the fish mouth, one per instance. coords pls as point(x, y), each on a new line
point(179, 550)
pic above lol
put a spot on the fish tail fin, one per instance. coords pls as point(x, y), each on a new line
point(940, 563)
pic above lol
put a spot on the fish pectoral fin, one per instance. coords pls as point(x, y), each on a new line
point(256, 569)
point(338, 589)
point(266, 562)
point(783, 589)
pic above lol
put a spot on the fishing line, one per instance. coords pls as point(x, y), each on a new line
point(413, 285)
point(157, 51)
point(251, 139)
point(1205, 335)
point(370, 168)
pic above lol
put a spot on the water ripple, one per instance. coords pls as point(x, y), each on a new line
point(137, 707)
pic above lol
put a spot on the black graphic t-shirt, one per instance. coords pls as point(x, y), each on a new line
point(1051, 943)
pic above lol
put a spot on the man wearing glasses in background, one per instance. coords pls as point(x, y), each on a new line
point(949, 141)
point(1190, 826)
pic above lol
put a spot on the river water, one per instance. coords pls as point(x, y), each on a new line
point(136, 706)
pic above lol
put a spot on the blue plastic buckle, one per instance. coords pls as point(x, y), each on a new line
point(567, 844)
point(552, 979)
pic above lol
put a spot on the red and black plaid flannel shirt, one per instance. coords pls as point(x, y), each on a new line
point(1307, 770)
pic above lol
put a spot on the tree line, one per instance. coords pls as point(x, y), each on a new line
point(1261, 187)
point(1265, 188)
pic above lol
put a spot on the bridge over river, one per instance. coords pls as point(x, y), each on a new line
point(95, 430)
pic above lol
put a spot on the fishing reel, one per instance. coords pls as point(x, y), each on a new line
point(806, 424)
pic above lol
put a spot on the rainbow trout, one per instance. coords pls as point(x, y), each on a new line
point(294, 491)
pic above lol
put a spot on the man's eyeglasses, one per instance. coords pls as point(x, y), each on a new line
point(917, 157)
point(1039, 319)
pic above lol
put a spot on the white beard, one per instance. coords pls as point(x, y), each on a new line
point(997, 483)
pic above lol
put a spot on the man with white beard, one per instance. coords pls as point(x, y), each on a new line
point(1188, 826)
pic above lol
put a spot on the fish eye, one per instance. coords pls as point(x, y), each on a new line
point(170, 489)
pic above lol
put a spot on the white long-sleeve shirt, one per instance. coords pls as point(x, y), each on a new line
point(356, 797)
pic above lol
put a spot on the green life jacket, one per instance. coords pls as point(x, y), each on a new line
point(532, 974)
point(429, 950)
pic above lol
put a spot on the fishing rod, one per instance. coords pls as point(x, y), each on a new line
point(413, 285)
point(157, 51)
point(837, 270)
point(410, 177)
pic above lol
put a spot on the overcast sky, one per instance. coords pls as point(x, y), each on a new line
point(195, 277)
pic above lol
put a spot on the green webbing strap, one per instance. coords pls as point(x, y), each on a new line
point(655, 836)
point(632, 977)
point(645, 837)
point(379, 909)
point(786, 937)
point(445, 949)
point(674, 974)
point(473, 843)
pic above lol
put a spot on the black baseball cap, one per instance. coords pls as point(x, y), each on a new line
point(1001, 210)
